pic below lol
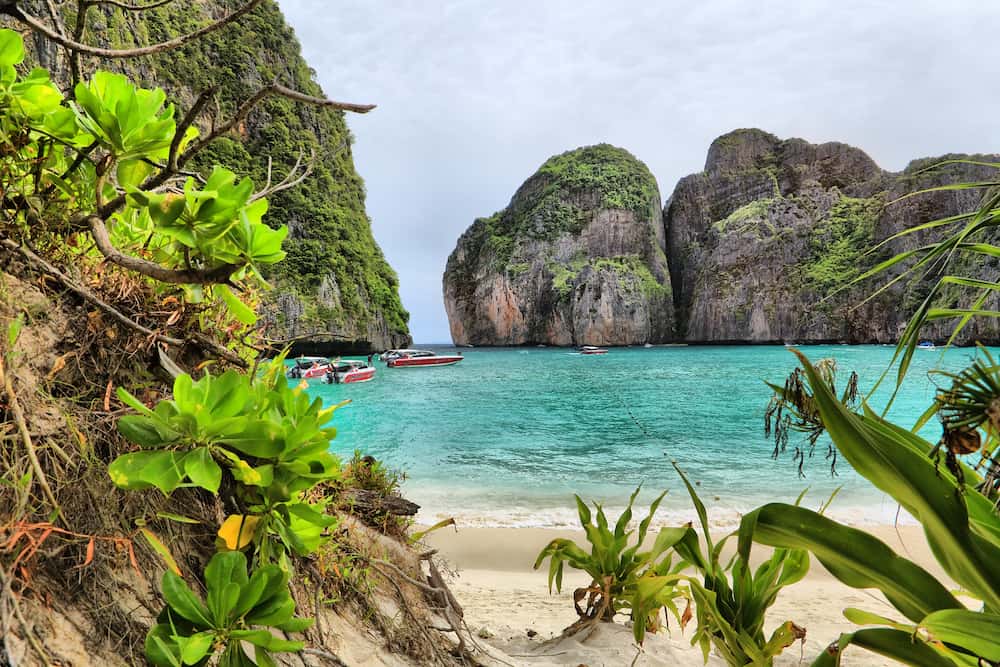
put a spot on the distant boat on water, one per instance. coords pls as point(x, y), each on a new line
point(308, 367)
point(349, 371)
point(405, 358)
point(926, 345)
point(590, 349)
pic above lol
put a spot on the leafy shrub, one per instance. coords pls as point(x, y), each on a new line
point(238, 608)
point(271, 438)
point(620, 574)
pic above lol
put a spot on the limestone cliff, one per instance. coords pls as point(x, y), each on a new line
point(760, 242)
point(335, 282)
point(577, 257)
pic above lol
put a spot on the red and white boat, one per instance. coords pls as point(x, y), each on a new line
point(347, 371)
point(308, 367)
point(403, 358)
point(590, 349)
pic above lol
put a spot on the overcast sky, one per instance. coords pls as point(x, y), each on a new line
point(473, 96)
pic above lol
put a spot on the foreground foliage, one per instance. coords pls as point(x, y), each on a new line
point(190, 631)
point(732, 599)
point(961, 525)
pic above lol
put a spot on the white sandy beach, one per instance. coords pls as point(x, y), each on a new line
point(504, 599)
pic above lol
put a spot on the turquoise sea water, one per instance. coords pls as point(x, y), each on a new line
point(508, 435)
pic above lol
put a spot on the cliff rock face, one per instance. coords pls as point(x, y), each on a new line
point(335, 281)
point(761, 241)
point(577, 257)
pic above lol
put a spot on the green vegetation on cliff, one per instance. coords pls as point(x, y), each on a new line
point(330, 232)
point(561, 195)
point(839, 242)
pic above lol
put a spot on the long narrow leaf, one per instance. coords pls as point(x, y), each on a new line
point(913, 481)
point(851, 555)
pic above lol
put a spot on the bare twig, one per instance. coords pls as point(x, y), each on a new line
point(178, 161)
point(7, 594)
point(56, 18)
point(71, 44)
point(406, 605)
point(129, 7)
point(326, 655)
point(189, 118)
point(291, 179)
point(275, 89)
point(22, 427)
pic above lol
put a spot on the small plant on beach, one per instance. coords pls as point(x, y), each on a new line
point(732, 599)
point(959, 520)
point(238, 610)
point(620, 573)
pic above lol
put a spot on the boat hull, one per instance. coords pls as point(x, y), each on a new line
point(593, 352)
point(360, 375)
point(403, 362)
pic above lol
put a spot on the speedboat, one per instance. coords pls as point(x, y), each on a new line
point(308, 367)
point(925, 345)
point(590, 349)
point(347, 371)
point(401, 358)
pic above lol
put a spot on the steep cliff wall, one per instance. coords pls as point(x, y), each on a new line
point(577, 257)
point(760, 242)
point(335, 280)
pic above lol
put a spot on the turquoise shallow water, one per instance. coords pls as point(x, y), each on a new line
point(508, 435)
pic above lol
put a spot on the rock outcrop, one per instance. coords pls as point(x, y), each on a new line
point(763, 244)
point(577, 257)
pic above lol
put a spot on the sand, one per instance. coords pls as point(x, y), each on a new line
point(505, 600)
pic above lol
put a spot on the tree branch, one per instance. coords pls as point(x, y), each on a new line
point(186, 122)
point(291, 179)
point(75, 46)
point(276, 89)
point(130, 8)
point(102, 240)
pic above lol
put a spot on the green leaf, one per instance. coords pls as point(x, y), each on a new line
point(236, 307)
point(894, 644)
point(11, 48)
point(140, 430)
point(977, 632)
point(183, 600)
point(133, 402)
point(161, 648)
point(142, 470)
point(891, 459)
point(196, 647)
point(202, 469)
point(160, 548)
point(225, 574)
point(852, 556)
